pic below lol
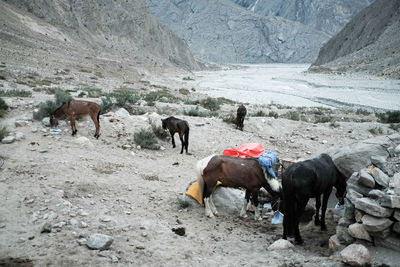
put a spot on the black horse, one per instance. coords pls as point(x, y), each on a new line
point(241, 113)
point(309, 179)
point(179, 126)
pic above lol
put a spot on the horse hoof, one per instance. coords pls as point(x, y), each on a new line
point(299, 241)
point(323, 228)
point(316, 223)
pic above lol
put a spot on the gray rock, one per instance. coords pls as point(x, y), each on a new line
point(46, 121)
point(355, 255)
point(20, 123)
point(375, 224)
point(395, 181)
point(396, 227)
point(348, 209)
point(366, 179)
point(19, 136)
point(376, 194)
point(381, 234)
point(379, 161)
point(380, 177)
point(8, 139)
point(390, 201)
point(397, 150)
point(334, 243)
point(396, 215)
point(390, 242)
point(99, 241)
point(358, 231)
point(46, 228)
point(353, 184)
point(122, 113)
point(358, 214)
point(345, 222)
point(353, 195)
point(343, 235)
point(371, 207)
point(281, 244)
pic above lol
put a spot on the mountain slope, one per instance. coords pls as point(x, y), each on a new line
point(370, 43)
point(123, 28)
point(222, 31)
point(328, 16)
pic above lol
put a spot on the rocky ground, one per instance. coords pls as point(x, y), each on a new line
point(58, 190)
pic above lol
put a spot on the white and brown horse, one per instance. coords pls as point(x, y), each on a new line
point(245, 173)
point(74, 108)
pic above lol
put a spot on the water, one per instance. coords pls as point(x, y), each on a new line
point(288, 84)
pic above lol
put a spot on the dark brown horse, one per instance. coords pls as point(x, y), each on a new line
point(179, 126)
point(241, 113)
point(74, 108)
point(245, 173)
point(309, 179)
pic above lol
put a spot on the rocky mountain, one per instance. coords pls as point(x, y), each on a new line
point(222, 31)
point(123, 28)
point(328, 16)
point(369, 43)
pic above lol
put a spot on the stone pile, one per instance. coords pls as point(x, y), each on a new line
point(372, 205)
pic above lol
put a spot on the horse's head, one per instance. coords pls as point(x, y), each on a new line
point(341, 187)
point(164, 123)
point(53, 121)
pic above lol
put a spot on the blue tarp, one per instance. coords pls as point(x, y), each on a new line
point(268, 159)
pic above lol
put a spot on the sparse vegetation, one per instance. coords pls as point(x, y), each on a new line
point(323, 119)
point(146, 139)
point(187, 78)
point(376, 130)
point(259, 113)
point(395, 126)
point(3, 132)
point(184, 91)
point(3, 107)
point(45, 108)
point(229, 119)
point(106, 104)
point(159, 131)
point(210, 104)
point(361, 111)
point(293, 115)
point(273, 114)
point(194, 112)
point(15, 93)
point(334, 124)
point(124, 98)
point(161, 96)
point(183, 204)
point(93, 91)
point(389, 117)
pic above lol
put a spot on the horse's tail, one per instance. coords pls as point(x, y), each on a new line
point(186, 138)
point(98, 116)
point(289, 199)
point(271, 183)
point(200, 166)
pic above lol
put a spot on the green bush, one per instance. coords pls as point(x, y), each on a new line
point(273, 114)
point(15, 93)
point(323, 119)
point(210, 104)
point(334, 124)
point(395, 126)
point(293, 115)
point(146, 139)
point(376, 130)
point(61, 97)
point(259, 113)
point(3, 107)
point(3, 132)
point(229, 119)
point(93, 92)
point(184, 91)
point(106, 104)
point(361, 111)
point(124, 98)
point(389, 117)
point(161, 96)
point(45, 108)
point(194, 112)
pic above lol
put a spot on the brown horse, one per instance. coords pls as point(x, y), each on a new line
point(74, 108)
point(245, 173)
point(241, 113)
point(179, 126)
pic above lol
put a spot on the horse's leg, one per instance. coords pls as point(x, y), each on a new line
point(324, 205)
point(72, 122)
point(182, 142)
point(206, 196)
point(317, 207)
point(212, 206)
point(300, 210)
point(96, 124)
point(172, 137)
point(257, 215)
point(244, 208)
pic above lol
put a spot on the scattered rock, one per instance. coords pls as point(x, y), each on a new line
point(355, 255)
point(84, 142)
point(380, 177)
point(46, 228)
point(122, 113)
point(179, 231)
point(19, 136)
point(366, 179)
point(20, 123)
point(281, 244)
point(334, 243)
point(8, 139)
point(46, 121)
point(99, 241)
point(358, 231)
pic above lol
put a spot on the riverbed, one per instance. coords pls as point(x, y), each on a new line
point(292, 85)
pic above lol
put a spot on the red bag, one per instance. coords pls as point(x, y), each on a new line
point(245, 151)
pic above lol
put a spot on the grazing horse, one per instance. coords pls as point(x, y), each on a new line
point(309, 179)
point(179, 126)
point(241, 113)
point(74, 108)
point(246, 173)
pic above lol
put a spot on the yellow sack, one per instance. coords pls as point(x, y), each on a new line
point(194, 192)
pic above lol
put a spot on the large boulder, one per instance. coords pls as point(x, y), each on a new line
point(375, 224)
point(372, 207)
point(355, 255)
point(354, 157)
